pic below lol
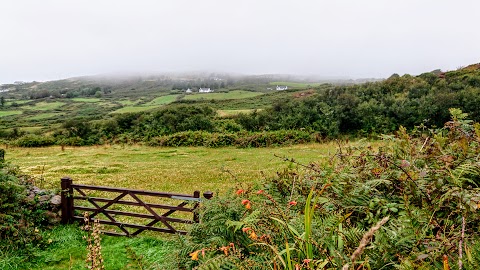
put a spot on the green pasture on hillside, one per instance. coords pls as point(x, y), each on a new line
point(42, 116)
point(8, 113)
point(224, 113)
point(126, 102)
point(32, 129)
point(129, 109)
point(155, 103)
point(295, 84)
point(9, 102)
point(88, 100)
point(163, 100)
point(44, 106)
point(236, 94)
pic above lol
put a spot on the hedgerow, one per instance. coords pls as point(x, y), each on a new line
point(19, 218)
point(239, 139)
point(34, 141)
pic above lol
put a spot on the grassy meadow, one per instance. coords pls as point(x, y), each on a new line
point(8, 113)
point(179, 170)
point(182, 169)
point(296, 84)
point(237, 94)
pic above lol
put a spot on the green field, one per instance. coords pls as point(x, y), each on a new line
point(88, 100)
point(163, 100)
point(224, 113)
point(237, 94)
point(32, 129)
point(42, 116)
point(11, 101)
point(8, 113)
point(155, 103)
point(182, 169)
point(45, 106)
point(296, 84)
point(129, 109)
point(126, 102)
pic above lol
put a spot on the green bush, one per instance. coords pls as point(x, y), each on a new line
point(17, 219)
point(187, 138)
point(239, 139)
point(273, 138)
point(34, 141)
point(221, 140)
point(71, 141)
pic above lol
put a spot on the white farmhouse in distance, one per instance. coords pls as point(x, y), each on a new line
point(205, 90)
point(279, 88)
point(188, 90)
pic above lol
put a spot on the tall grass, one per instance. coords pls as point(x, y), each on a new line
point(66, 249)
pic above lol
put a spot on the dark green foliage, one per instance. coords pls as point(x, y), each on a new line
point(34, 141)
point(187, 138)
point(177, 119)
point(273, 138)
point(426, 182)
point(239, 139)
point(375, 108)
point(17, 217)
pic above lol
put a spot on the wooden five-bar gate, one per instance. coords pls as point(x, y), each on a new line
point(75, 192)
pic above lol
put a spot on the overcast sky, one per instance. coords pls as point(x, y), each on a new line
point(54, 39)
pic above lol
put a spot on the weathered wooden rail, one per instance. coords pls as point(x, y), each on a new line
point(75, 192)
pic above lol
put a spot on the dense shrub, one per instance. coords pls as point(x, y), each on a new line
point(187, 138)
point(273, 138)
point(70, 141)
point(240, 139)
point(17, 219)
point(423, 187)
point(34, 141)
point(222, 139)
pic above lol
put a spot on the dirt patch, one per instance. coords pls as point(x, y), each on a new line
point(304, 94)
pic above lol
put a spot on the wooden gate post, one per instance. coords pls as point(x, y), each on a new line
point(196, 219)
point(67, 200)
point(208, 195)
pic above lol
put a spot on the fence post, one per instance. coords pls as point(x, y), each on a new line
point(67, 200)
point(208, 195)
point(196, 219)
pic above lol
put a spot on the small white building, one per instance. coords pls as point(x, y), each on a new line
point(188, 90)
point(205, 90)
point(280, 88)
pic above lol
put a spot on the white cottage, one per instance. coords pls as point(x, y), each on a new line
point(205, 90)
point(279, 88)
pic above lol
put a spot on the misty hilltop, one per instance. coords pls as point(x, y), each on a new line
point(127, 85)
point(250, 103)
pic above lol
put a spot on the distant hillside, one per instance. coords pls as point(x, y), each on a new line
point(129, 86)
point(104, 106)
point(40, 107)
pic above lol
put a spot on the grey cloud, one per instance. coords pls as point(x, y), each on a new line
point(52, 39)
